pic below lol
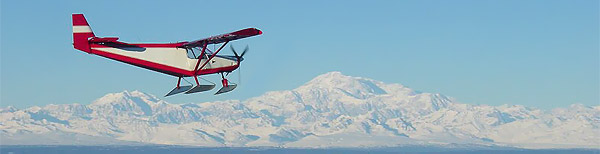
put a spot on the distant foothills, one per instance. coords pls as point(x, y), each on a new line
point(331, 110)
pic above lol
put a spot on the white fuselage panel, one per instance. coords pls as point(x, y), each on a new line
point(174, 57)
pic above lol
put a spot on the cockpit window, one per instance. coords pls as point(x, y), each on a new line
point(194, 53)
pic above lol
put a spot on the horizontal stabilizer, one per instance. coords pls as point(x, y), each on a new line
point(107, 40)
point(103, 39)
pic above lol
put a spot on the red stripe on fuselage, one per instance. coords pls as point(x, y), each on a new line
point(160, 67)
point(148, 45)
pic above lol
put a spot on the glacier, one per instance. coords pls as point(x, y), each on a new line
point(331, 110)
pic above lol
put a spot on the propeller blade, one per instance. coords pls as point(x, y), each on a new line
point(235, 53)
point(244, 52)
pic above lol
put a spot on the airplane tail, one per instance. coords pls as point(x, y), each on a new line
point(81, 33)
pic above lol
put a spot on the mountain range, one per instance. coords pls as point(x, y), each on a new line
point(331, 110)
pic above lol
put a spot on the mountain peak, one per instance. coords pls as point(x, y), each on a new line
point(337, 82)
point(330, 78)
point(126, 95)
point(8, 109)
point(331, 74)
point(135, 101)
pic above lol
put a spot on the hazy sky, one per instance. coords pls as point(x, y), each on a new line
point(538, 53)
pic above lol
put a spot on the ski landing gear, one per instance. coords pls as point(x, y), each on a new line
point(179, 89)
point(189, 89)
point(200, 88)
point(226, 86)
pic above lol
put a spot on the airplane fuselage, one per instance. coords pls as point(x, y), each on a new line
point(166, 58)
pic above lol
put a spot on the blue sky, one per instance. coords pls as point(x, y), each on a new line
point(538, 53)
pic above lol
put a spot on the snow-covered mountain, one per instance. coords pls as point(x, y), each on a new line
point(332, 110)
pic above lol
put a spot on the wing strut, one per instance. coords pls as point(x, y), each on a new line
point(201, 88)
point(197, 70)
point(200, 58)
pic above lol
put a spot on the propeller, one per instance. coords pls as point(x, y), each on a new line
point(239, 58)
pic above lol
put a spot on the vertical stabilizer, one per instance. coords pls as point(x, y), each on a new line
point(81, 33)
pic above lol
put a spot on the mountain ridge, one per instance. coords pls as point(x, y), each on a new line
point(331, 110)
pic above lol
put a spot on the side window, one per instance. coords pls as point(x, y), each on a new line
point(190, 53)
point(194, 53)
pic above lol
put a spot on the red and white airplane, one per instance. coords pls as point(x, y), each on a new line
point(179, 59)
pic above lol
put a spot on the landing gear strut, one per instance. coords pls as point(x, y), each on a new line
point(224, 81)
point(179, 89)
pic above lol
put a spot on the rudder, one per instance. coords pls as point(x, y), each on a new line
point(81, 33)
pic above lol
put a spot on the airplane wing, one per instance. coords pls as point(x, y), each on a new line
point(224, 37)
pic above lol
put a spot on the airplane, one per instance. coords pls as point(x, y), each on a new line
point(177, 59)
